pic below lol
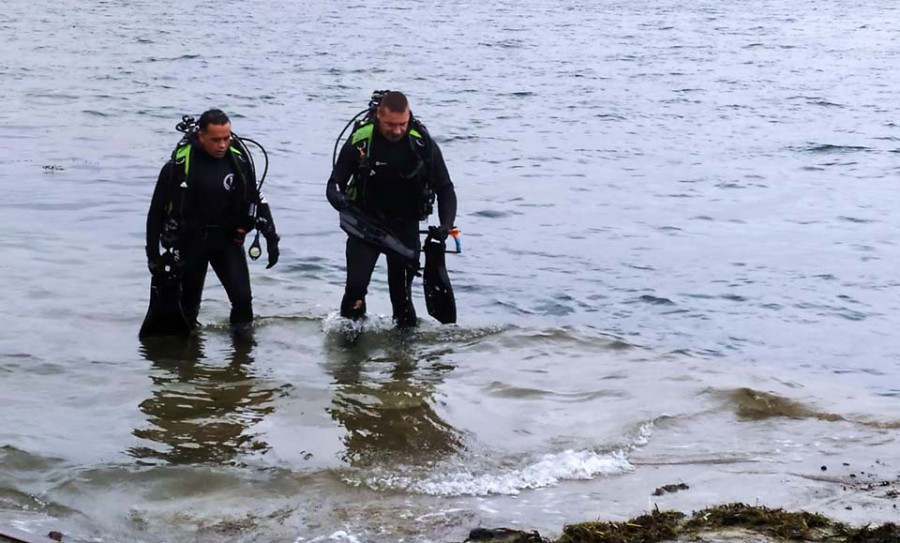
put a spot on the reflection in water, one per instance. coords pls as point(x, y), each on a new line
point(389, 415)
point(199, 411)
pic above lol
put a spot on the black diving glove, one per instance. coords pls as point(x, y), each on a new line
point(272, 248)
point(439, 233)
point(153, 261)
point(153, 264)
point(341, 202)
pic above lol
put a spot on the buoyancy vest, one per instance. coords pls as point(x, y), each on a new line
point(419, 140)
point(243, 211)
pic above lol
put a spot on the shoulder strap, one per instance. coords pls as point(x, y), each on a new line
point(362, 138)
point(181, 164)
point(243, 168)
point(183, 154)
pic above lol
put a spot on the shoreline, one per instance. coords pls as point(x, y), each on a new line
point(728, 523)
point(835, 504)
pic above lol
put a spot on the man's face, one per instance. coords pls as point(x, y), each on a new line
point(391, 124)
point(216, 139)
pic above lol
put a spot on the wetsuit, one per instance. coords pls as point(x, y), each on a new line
point(392, 194)
point(211, 227)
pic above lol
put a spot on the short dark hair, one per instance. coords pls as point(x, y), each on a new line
point(212, 116)
point(394, 101)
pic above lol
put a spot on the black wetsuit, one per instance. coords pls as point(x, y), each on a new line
point(210, 229)
point(394, 197)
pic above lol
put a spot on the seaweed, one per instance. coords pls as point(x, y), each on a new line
point(665, 526)
point(655, 526)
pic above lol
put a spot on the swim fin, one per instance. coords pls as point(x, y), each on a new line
point(362, 226)
point(439, 297)
point(165, 316)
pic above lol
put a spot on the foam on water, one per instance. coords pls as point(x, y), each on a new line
point(548, 471)
point(340, 535)
point(335, 324)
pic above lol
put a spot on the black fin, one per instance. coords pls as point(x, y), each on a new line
point(165, 316)
point(439, 297)
point(366, 228)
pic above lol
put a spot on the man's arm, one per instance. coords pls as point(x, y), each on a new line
point(266, 225)
point(265, 222)
point(336, 189)
point(156, 216)
point(443, 188)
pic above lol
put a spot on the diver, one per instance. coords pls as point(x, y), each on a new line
point(389, 171)
point(207, 199)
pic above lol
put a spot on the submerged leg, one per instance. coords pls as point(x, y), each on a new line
point(401, 275)
point(361, 259)
point(400, 279)
point(230, 265)
point(195, 263)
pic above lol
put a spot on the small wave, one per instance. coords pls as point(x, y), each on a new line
point(335, 324)
point(655, 300)
point(855, 220)
point(851, 315)
point(502, 390)
point(457, 137)
point(565, 336)
point(340, 535)
point(553, 308)
point(548, 471)
point(14, 459)
point(166, 59)
point(505, 44)
point(825, 103)
point(492, 213)
point(828, 148)
point(381, 328)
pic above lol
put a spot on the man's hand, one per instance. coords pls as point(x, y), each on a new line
point(340, 201)
point(153, 259)
point(272, 249)
point(153, 263)
point(439, 232)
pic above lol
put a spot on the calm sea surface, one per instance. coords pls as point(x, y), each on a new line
point(679, 265)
